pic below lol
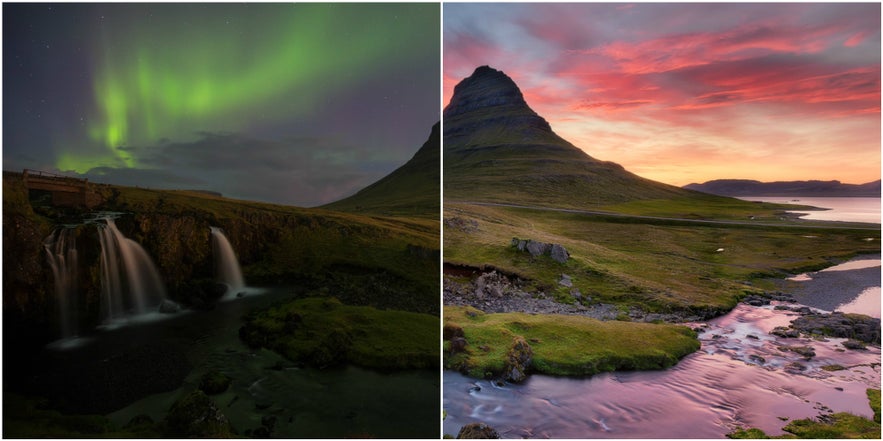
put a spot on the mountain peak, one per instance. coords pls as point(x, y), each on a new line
point(499, 150)
point(486, 87)
point(490, 91)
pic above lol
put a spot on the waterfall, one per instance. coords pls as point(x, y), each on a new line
point(61, 252)
point(130, 282)
point(226, 264)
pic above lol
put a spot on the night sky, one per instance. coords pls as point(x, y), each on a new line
point(691, 92)
point(300, 104)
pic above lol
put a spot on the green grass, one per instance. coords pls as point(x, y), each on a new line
point(656, 265)
point(841, 425)
point(564, 345)
point(323, 332)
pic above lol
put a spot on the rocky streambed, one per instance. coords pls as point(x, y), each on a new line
point(767, 362)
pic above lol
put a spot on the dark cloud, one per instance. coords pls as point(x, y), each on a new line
point(303, 171)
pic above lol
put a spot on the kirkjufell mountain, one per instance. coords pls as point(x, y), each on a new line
point(412, 189)
point(497, 149)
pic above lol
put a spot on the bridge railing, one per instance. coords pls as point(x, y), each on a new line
point(27, 173)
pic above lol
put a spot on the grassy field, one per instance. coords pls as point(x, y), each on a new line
point(563, 345)
point(657, 265)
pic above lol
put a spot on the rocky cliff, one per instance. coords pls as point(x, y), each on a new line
point(362, 260)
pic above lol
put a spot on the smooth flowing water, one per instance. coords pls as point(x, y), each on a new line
point(226, 264)
point(61, 253)
point(131, 284)
point(742, 376)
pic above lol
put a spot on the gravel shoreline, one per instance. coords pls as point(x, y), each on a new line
point(829, 289)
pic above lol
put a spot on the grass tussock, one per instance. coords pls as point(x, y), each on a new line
point(563, 345)
point(841, 425)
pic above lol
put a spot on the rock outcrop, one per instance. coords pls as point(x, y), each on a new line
point(477, 431)
point(536, 249)
point(518, 361)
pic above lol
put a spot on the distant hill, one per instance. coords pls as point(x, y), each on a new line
point(496, 149)
point(745, 187)
point(412, 189)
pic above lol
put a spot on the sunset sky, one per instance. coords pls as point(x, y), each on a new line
point(691, 92)
point(300, 104)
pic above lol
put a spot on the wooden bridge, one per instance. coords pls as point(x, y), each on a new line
point(66, 191)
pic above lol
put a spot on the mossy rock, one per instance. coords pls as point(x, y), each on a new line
point(477, 431)
point(214, 382)
point(196, 416)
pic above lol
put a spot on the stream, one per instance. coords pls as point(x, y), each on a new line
point(142, 368)
point(741, 376)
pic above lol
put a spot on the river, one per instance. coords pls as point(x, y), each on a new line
point(740, 377)
point(143, 368)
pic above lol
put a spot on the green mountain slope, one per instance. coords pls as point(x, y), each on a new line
point(410, 190)
point(499, 150)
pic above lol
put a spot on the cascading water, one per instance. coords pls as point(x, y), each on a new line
point(61, 252)
point(130, 282)
point(227, 266)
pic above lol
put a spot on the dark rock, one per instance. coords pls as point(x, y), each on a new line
point(477, 431)
point(559, 253)
point(196, 416)
point(269, 422)
point(840, 325)
point(458, 344)
point(139, 422)
point(757, 358)
point(169, 307)
point(806, 351)
point(785, 332)
point(537, 249)
point(854, 344)
point(214, 382)
point(518, 361)
point(451, 331)
point(261, 433)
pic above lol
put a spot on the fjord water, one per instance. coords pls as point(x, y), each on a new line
point(838, 208)
point(740, 377)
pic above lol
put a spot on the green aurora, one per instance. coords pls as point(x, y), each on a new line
point(168, 75)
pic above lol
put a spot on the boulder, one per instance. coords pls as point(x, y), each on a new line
point(537, 249)
point(565, 281)
point(196, 416)
point(559, 253)
point(477, 431)
point(214, 382)
point(169, 307)
point(518, 361)
point(458, 344)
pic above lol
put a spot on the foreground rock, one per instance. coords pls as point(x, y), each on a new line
point(840, 325)
point(196, 416)
point(477, 431)
point(536, 249)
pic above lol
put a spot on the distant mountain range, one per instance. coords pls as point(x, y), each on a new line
point(496, 149)
point(412, 189)
point(745, 187)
